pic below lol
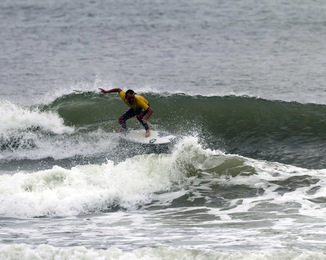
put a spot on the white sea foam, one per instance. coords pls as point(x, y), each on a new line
point(23, 251)
point(15, 118)
point(61, 146)
point(88, 188)
point(28, 133)
point(83, 189)
point(142, 178)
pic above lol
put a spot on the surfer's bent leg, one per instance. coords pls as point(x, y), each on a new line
point(140, 116)
point(122, 119)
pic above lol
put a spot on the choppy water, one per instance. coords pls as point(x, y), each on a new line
point(240, 83)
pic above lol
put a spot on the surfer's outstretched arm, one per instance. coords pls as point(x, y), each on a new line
point(111, 90)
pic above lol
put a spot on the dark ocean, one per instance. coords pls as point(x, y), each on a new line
point(240, 83)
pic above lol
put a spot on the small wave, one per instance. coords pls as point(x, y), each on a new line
point(190, 175)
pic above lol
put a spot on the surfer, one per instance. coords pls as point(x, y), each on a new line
point(138, 107)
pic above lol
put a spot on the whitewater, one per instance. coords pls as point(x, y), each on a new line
point(241, 85)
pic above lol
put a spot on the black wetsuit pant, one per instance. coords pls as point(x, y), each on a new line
point(131, 113)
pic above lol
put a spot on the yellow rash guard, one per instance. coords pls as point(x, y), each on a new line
point(139, 104)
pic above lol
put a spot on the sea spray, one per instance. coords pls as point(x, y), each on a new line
point(17, 118)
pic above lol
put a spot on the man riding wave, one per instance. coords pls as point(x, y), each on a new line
point(139, 107)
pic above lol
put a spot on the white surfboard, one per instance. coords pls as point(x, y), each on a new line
point(138, 136)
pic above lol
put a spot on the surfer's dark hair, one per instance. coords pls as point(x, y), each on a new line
point(129, 91)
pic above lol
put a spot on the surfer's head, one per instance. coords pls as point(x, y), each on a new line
point(130, 96)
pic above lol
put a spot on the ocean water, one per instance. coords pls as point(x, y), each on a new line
point(240, 83)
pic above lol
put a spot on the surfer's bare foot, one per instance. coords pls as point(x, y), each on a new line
point(118, 130)
point(148, 133)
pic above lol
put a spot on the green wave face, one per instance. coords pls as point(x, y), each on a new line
point(288, 132)
point(82, 124)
